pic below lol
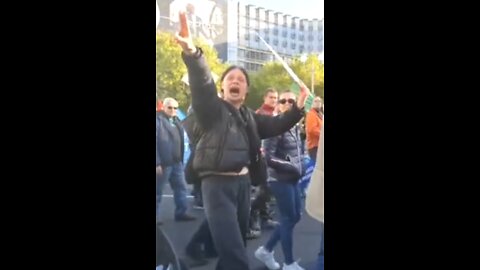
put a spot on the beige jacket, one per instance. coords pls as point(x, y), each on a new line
point(315, 191)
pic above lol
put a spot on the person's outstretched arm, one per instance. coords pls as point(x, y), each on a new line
point(205, 101)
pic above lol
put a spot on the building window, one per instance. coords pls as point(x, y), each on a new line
point(294, 25)
point(267, 39)
point(257, 13)
point(275, 32)
point(320, 27)
point(284, 44)
point(320, 37)
point(310, 28)
point(310, 48)
point(284, 33)
point(293, 35)
point(266, 16)
point(301, 48)
point(302, 27)
point(266, 30)
point(301, 37)
point(247, 36)
point(276, 18)
point(257, 39)
point(293, 46)
point(310, 38)
point(275, 42)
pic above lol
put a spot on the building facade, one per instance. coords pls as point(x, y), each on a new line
point(288, 35)
point(231, 28)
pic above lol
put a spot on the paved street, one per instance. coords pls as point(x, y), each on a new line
point(307, 236)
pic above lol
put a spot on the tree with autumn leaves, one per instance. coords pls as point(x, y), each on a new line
point(170, 70)
point(273, 74)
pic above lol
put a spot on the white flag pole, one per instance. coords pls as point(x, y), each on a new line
point(284, 64)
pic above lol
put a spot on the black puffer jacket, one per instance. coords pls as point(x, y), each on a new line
point(284, 155)
point(224, 145)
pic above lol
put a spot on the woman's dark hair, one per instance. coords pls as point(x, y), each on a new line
point(230, 68)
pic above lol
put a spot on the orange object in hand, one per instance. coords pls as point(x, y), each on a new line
point(183, 25)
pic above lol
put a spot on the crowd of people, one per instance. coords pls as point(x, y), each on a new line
point(235, 149)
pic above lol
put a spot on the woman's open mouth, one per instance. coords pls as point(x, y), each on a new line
point(234, 90)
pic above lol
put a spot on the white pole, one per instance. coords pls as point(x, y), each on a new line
point(284, 64)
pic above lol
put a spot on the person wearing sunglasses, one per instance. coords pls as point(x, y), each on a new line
point(284, 156)
point(169, 161)
point(227, 156)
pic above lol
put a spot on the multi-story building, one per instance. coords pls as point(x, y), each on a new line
point(232, 28)
point(288, 35)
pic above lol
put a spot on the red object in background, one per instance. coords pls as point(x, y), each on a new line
point(159, 105)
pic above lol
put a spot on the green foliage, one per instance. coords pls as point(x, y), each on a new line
point(274, 75)
point(170, 68)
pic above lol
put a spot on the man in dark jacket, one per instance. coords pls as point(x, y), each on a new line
point(227, 155)
point(169, 161)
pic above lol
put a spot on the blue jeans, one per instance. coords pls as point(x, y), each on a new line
point(320, 254)
point(289, 205)
point(173, 174)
